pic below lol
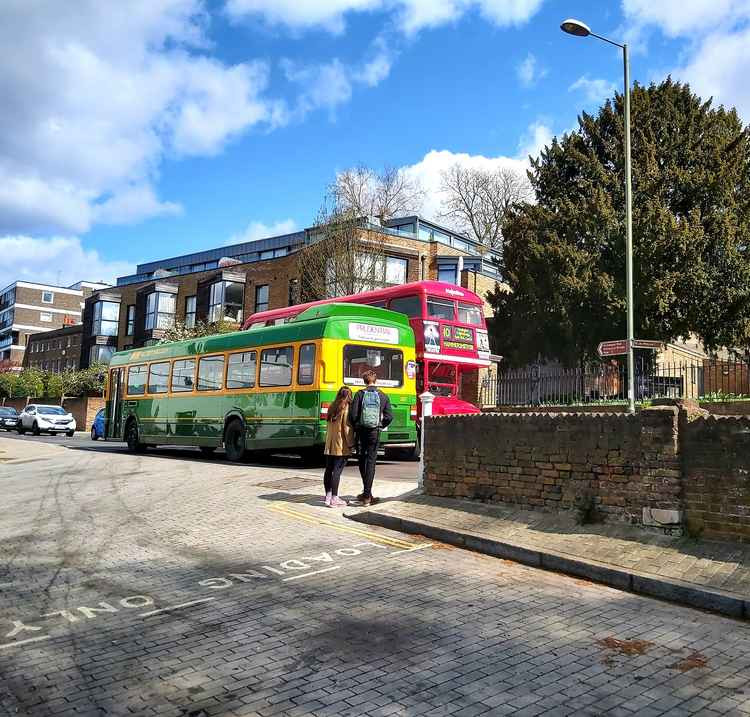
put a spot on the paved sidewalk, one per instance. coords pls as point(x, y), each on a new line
point(705, 574)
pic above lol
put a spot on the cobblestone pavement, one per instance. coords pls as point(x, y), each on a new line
point(156, 585)
point(711, 564)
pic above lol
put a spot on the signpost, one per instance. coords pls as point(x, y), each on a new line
point(620, 347)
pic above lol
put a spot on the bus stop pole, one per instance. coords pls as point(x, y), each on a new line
point(426, 398)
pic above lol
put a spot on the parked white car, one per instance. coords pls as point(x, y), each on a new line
point(46, 419)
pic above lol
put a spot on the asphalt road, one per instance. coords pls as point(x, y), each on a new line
point(395, 470)
point(169, 584)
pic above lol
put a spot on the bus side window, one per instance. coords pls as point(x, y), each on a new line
point(409, 305)
point(306, 368)
point(241, 371)
point(137, 380)
point(158, 377)
point(210, 373)
point(276, 366)
point(183, 375)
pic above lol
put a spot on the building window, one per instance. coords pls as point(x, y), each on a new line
point(395, 270)
point(210, 373)
point(131, 320)
point(100, 354)
point(48, 297)
point(447, 274)
point(106, 318)
point(261, 297)
point(190, 302)
point(159, 310)
point(45, 316)
point(226, 301)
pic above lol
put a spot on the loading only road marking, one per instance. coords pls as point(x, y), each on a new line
point(312, 519)
point(292, 569)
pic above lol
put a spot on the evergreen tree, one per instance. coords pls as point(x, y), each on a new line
point(564, 256)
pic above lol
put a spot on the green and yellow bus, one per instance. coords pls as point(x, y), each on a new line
point(262, 390)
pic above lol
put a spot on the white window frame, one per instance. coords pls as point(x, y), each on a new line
point(42, 314)
point(52, 297)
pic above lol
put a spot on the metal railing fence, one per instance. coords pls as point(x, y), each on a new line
point(539, 385)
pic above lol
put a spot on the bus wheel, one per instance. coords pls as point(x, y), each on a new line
point(132, 438)
point(234, 441)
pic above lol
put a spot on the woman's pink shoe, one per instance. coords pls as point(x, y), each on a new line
point(327, 499)
point(337, 502)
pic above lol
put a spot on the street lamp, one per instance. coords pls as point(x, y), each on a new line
point(580, 29)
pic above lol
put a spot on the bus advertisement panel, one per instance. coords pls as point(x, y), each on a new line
point(264, 390)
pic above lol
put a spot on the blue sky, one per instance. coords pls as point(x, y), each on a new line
point(175, 125)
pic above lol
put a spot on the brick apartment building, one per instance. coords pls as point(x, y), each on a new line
point(28, 308)
point(236, 281)
point(58, 350)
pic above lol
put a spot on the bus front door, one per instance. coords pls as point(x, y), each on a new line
point(114, 424)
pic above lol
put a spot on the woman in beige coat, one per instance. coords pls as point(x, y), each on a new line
point(339, 443)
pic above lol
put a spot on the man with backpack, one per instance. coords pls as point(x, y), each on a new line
point(370, 412)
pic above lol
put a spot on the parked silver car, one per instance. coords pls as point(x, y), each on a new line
point(46, 419)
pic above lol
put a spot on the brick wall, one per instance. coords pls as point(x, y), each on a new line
point(84, 408)
point(618, 464)
point(716, 469)
point(675, 458)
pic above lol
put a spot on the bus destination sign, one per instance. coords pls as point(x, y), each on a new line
point(458, 337)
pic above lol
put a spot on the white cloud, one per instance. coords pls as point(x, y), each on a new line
point(716, 59)
point(719, 68)
point(260, 230)
point(678, 17)
point(95, 95)
point(375, 70)
point(529, 71)
point(595, 91)
point(55, 260)
point(429, 169)
point(330, 84)
point(132, 204)
point(537, 136)
point(411, 15)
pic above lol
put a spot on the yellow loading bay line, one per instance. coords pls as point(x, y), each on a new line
point(290, 513)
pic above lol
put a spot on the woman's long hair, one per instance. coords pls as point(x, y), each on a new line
point(343, 398)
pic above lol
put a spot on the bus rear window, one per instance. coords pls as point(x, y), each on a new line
point(469, 314)
point(409, 305)
point(388, 364)
point(440, 309)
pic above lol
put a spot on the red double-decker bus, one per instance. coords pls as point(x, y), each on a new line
point(449, 327)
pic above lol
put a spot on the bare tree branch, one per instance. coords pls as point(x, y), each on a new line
point(339, 260)
point(383, 194)
point(477, 200)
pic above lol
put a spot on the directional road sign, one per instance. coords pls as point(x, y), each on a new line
point(620, 347)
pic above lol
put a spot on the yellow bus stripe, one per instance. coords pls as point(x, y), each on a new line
point(285, 510)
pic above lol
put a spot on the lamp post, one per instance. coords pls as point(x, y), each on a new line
point(580, 29)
